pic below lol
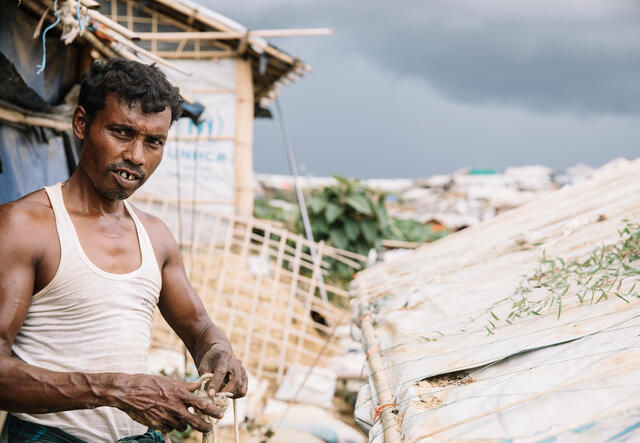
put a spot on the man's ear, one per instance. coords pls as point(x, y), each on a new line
point(80, 122)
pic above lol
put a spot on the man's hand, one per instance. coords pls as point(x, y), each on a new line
point(161, 402)
point(228, 373)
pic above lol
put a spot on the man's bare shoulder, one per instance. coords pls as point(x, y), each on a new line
point(31, 211)
point(151, 222)
point(159, 233)
point(27, 226)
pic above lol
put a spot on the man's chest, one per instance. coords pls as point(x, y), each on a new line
point(111, 245)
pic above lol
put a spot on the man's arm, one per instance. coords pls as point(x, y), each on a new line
point(158, 401)
point(184, 312)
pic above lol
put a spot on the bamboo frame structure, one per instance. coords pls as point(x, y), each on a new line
point(243, 152)
point(259, 284)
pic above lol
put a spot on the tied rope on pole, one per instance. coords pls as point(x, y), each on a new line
point(220, 400)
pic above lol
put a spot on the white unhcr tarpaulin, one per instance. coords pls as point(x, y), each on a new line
point(198, 161)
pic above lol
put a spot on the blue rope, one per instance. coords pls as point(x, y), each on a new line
point(81, 21)
point(44, 34)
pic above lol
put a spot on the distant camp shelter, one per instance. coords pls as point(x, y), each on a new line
point(227, 75)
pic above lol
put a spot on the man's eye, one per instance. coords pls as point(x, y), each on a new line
point(122, 132)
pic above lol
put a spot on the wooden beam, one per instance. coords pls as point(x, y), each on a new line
point(117, 27)
point(233, 35)
point(30, 120)
point(195, 55)
point(243, 152)
point(301, 32)
point(90, 4)
point(176, 23)
point(133, 47)
point(103, 48)
point(204, 19)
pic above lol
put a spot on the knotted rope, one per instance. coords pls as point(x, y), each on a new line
point(220, 400)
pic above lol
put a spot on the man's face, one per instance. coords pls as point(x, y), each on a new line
point(122, 147)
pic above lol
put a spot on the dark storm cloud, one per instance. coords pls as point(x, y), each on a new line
point(570, 56)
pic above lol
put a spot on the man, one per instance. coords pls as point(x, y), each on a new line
point(81, 271)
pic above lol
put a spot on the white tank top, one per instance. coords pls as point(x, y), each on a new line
point(89, 320)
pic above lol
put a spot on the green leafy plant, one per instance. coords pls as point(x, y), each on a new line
point(594, 277)
point(348, 216)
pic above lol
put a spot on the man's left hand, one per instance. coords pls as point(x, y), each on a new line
point(227, 370)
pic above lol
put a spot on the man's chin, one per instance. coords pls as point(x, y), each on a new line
point(115, 194)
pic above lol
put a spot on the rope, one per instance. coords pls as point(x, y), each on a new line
point(42, 65)
point(220, 400)
point(81, 20)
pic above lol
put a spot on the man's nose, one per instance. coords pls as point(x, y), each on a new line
point(135, 152)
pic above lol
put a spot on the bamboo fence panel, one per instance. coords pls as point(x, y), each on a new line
point(258, 283)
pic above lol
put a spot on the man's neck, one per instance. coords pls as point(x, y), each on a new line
point(81, 195)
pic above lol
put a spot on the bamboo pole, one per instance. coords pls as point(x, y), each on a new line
point(45, 122)
point(133, 47)
point(275, 289)
point(190, 55)
point(112, 25)
point(103, 48)
point(254, 301)
point(231, 35)
point(243, 153)
point(388, 243)
point(384, 394)
point(289, 320)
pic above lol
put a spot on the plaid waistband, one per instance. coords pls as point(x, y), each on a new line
point(20, 431)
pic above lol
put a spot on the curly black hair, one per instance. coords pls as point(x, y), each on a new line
point(130, 81)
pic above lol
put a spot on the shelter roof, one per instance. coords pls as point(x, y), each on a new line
point(524, 326)
point(201, 33)
point(118, 27)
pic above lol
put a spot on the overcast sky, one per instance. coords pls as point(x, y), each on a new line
point(418, 87)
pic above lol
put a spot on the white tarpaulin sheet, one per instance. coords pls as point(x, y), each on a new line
point(198, 160)
point(541, 376)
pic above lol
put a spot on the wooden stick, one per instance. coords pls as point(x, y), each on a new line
point(225, 257)
point(275, 290)
point(243, 151)
point(388, 243)
point(112, 25)
point(202, 55)
point(243, 254)
point(309, 298)
point(231, 35)
point(132, 46)
point(205, 19)
point(381, 384)
point(46, 122)
point(254, 301)
point(296, 270)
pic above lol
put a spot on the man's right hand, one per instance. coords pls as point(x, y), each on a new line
point(161, 402)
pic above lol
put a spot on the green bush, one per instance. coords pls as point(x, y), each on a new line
point(350, 216)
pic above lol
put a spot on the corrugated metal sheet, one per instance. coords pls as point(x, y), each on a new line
point(536, 378)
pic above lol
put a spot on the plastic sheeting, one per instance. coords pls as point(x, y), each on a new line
point(31, 159)
point(539, 377)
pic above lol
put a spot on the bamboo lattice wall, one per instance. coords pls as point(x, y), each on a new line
point(260, 285)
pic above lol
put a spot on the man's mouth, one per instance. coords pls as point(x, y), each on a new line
point(126, 175)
